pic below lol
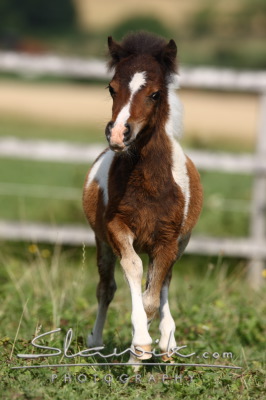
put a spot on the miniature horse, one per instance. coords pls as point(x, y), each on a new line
point(142, 194)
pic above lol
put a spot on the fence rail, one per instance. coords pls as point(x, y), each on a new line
point(253, 248)
point(76, 235)
point(60, 151)
point(198, 77)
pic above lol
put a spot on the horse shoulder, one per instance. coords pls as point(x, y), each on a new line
point(95, 193)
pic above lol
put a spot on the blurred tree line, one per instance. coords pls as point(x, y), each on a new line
point(247, 20)
point(208, 36)
point(37, 16)
point(25, 24)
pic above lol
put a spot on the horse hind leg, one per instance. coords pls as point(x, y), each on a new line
point(105, 290)
point(167, 325)
point(155, 296)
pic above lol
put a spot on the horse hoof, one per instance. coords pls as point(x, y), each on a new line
point(134, 363)
point(166, 358)
point(91, 342)
point(143, 352)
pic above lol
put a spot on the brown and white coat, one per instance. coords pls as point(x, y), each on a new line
point(142, 194)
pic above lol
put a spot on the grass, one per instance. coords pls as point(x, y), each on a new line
point(41, 191)
point(226, 204)
point(26, 128)
point(43, 288)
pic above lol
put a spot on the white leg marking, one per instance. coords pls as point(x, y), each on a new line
point(100, 171)
point(133, 269)
point(179, 171)
point(167, 324)
point(132, 266)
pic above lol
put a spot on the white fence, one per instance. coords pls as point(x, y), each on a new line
point(253, 247)
point(199, 77)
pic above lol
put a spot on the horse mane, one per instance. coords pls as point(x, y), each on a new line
point(144, 43)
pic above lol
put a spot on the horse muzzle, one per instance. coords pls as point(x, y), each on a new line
point(118, 136)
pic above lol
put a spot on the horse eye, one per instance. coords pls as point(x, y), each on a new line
point(155, 95)
point(111, 90)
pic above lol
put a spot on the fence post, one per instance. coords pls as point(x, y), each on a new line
point(258, 205)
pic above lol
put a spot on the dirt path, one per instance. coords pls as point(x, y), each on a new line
point(207, 114)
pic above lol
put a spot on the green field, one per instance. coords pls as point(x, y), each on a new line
point(45, 287)
point(215, 311)
point(25, 128)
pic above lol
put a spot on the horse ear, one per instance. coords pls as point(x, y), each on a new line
point(168, 56)
point(171, 49)
point(116, 52)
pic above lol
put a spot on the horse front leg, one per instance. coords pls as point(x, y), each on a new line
point(132, 267)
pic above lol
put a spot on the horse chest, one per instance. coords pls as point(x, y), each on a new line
point(150, 211)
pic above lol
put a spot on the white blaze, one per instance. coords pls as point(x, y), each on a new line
point(137, 82)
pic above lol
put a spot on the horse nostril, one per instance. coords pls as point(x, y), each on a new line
point(108, 129)
point(127, 132)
